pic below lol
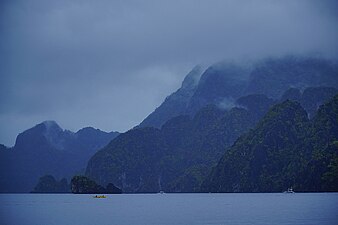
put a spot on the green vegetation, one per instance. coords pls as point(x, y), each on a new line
point(84, 185)
point(175, 158)
point(285, 149)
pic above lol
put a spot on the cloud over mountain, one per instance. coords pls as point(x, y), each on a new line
point(93, 63)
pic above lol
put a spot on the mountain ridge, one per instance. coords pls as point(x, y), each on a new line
point(186, 147)
point(224, 82)
point(285, 149)
point(48, 149)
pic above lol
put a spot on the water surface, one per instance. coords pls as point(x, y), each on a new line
point(165, 209)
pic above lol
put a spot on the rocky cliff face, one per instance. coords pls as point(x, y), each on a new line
point(176, 103)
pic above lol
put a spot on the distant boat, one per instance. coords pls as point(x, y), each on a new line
point(161, 192)
point(289, 191)
point(99, 196)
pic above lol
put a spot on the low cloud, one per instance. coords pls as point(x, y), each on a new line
point(108, 64)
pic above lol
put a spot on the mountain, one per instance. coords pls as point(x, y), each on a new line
point(180, 155)
point(149, 159)
point(84, 185)
point(220, 83)
point(257, 104)
point(223, 83)
point(273, 76)
point(285, 149)
point(48, 184)
point(311, 98)
point(177, 157)
point(176, 146)
point(48, 149)
point(176, 103)
point(314, 97)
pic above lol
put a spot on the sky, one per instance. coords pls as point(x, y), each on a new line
point(108, 64)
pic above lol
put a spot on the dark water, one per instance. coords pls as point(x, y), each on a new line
point(163, 209)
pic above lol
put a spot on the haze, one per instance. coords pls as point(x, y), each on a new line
point(108, 64)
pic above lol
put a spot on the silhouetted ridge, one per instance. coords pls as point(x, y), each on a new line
point(48, 149)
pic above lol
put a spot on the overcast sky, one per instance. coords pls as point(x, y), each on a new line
point(108, 64)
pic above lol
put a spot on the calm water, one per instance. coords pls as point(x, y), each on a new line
point(163, 209)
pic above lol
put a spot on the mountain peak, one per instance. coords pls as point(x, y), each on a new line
point(192, 78)
point(54, 134)
point(87, 130)
point(176, 103)
point(285, 111)
point(46, 131)
point(51, 125)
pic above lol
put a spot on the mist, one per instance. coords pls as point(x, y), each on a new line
point(109, 64)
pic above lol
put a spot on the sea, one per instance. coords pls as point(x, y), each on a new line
point(170, 209)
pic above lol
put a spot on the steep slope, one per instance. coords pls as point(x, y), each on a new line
point(177, 157)
point(176, 103)
point(220, 82)
point(48, 149)
point(203, 147)
point(285, 149)
point(129, 161)
point(223, 83)
point(322, 169)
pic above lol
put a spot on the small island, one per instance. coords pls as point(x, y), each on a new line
point(48, 184)
point(84, 185)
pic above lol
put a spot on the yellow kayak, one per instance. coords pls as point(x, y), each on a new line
point(99, 196)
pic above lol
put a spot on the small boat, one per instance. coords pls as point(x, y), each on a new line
point(289, 191)
point(99, 196)
point(161, 192)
